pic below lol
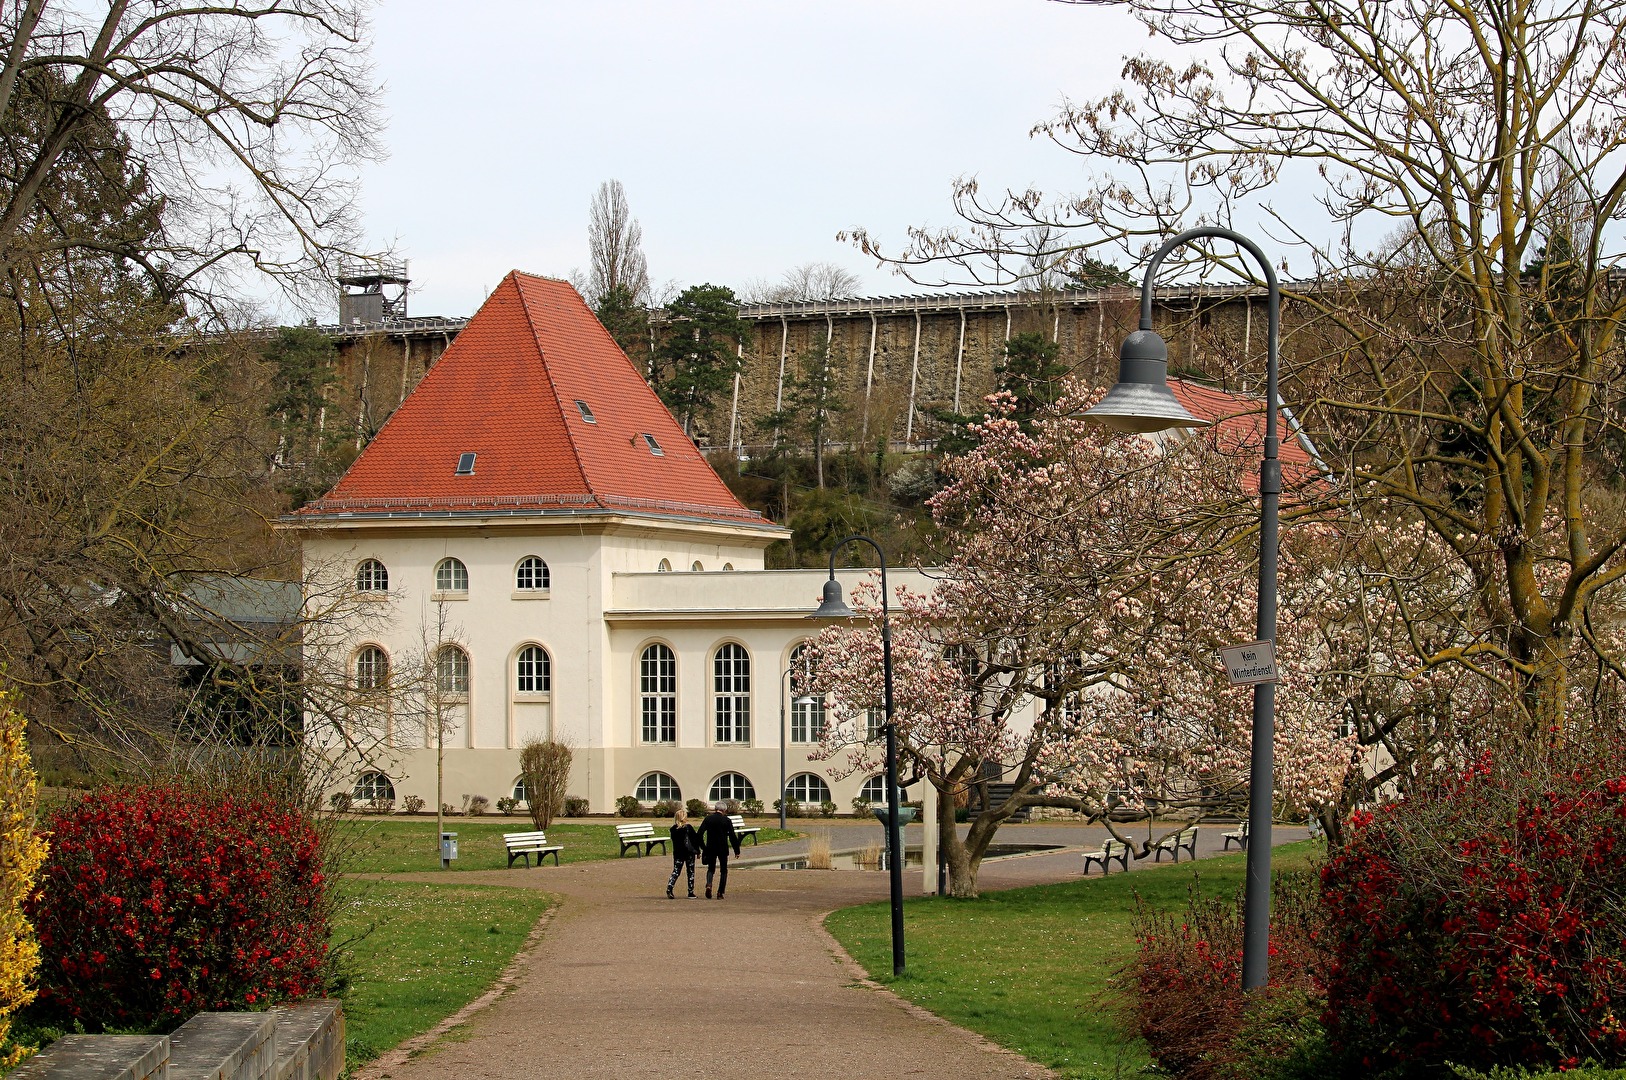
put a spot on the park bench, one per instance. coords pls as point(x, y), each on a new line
point(522, 845)
point(1239, 835)
point(633, 835)
point(742, 830)
point(1185, 838)
point(1110, 850)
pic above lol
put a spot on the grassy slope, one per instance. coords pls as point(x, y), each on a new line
point(1030, 968)
point(428, 950)
point(401, 846)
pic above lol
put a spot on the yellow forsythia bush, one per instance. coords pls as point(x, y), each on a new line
point(21, 852)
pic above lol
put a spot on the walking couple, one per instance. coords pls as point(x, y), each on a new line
point(712, 842)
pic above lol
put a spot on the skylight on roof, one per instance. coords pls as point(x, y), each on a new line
point(465, 465)
point(587, 414)
point(654, 447)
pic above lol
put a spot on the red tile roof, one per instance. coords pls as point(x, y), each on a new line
point(506, 391)
point(1239, 429)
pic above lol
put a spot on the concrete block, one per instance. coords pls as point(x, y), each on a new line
point(99, 1057)
point(224, 1046)
point(310, 1041)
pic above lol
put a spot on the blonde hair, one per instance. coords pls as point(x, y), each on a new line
point(681, 816)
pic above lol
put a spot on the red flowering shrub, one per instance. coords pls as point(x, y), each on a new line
point(1482, 922)
point(160, 902)
point(1185, 982)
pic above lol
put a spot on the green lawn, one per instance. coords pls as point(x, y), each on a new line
point(1030, 968)
point(428, 950)
point(393, 845)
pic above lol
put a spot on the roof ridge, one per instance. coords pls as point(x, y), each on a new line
point(553, 384)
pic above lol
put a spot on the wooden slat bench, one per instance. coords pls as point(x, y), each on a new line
point(1185, 838)
point(742, 830)
point(643, 833)
point(1110, 850)
point(1240, 836)
point(522, 845)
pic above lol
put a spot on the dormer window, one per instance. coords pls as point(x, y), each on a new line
point(654, 447)
point(465, 465)
point(587, 414)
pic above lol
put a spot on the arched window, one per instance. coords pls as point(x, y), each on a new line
point(519, 791)
point(531, 575)
point(874, 790)
point(657, 694)
point(373, 787)
point(451, 576)
point(806, 710)
point(807, 788)
point(371, 576)
point(697, 567)
point(657, 787)
point(731, 785)
point(533, 671)
point(372, 669)
point(731, 685)
point(664, 566)
point(452, 670)
point(728, 566)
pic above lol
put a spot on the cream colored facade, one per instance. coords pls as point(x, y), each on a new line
point(608, 601)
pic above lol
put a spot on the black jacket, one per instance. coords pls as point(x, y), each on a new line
point(685, 841)
point(717, 835)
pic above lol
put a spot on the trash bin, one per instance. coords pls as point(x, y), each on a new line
point(448, 849)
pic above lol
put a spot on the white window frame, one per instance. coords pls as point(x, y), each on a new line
point(377, 576)
point(366, 789)
point(714, 794)
point(807, 718)
point(806, 797)
point(452, 670)
point(455, 570)
point(524, 569)
point(541, 681)
point(731, 695)
point(657, 694)
point(377, 678)
point(666, 783)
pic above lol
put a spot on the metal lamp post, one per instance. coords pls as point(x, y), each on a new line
point(805, 699)
point(1142, 402)
point(835, 607)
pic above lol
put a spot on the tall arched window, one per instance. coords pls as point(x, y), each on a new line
point(731, 685)
point(731, 785)
point(874, 790)
point(806, 710)
point(371, 576)
point(452, 670)
point(657, 694)
point(451, 576)
point(531, 575)
point(657, 787)
point(372, 668)
point(533, 671)
point(807, 788)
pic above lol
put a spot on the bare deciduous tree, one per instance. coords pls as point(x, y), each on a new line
point(243, 123)
point(809, 281)
point(615, 245)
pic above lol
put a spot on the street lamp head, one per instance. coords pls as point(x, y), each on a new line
point(834, 605)
point(1141, 400)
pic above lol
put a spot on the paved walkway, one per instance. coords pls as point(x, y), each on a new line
point(627, 985)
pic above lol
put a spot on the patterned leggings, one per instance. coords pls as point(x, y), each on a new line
point(678, 865)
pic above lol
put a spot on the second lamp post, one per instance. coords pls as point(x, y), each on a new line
point(835, 607)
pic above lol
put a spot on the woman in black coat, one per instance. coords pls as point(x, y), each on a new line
point(685, 845)
point(717, 835)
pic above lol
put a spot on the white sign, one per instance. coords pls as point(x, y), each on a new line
point(1254, 662)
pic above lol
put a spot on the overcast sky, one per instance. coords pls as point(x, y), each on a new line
point(746, 134)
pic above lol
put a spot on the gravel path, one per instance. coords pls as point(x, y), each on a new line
point(627, 985)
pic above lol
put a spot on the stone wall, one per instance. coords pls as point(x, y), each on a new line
point(291, 1042)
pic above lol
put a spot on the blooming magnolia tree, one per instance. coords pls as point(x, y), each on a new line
point(1069, 645)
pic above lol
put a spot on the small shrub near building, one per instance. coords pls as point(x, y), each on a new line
point(665, 808)
point(159, 902)
point(475, 805)
point(507, 805)
point(576, 806)
point(696, 809)
point(413, 804)
point(628, 806)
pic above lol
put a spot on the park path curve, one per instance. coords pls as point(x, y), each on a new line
point(627, 985)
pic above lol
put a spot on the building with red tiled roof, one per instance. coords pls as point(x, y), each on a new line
point(531, 548)
point(1237, 426)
